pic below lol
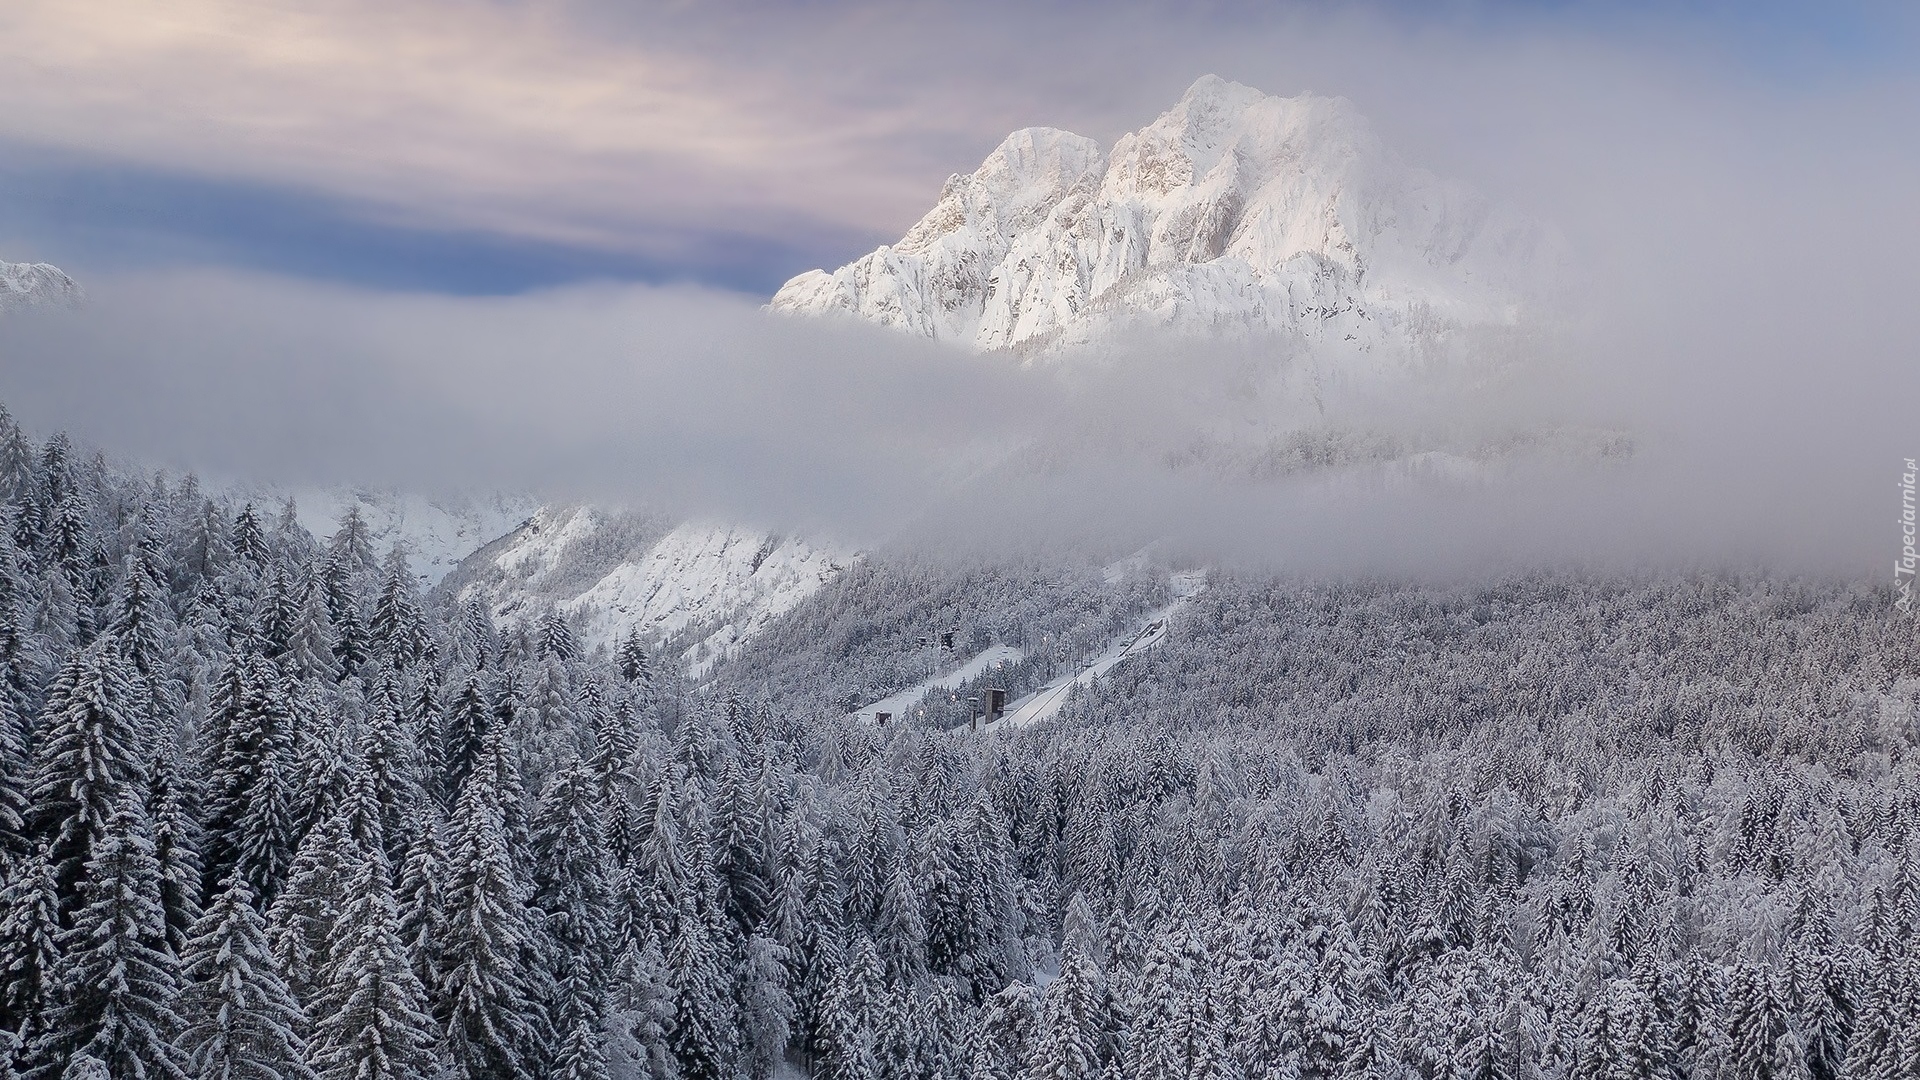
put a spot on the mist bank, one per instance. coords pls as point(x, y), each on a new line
point(1530, 446)
point(679, 397)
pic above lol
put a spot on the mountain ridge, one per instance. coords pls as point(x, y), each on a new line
point(1234, 210)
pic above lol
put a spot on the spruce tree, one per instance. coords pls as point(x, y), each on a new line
point(279, 612)
point(494, 1025)
point(249, 539)
point(289, 539)
point(902, 930)
point(16, 460)
point(84, 1066)
point(583, 1056)
point(1883, 1021)
point(552, 734)
point(421, 896)
point(176, 844)
point(633, 663)
point(242, 1023)
point(742, 859)
point(556, 638)
point(851, 1015)
point(15, 778)
point(55, 617)
point(370, 1013)
point(312, 642)
point(1009, 1029)
point(1170, 1019)
point(766, 1007)
point(67, 542)
point(392, 765)
point(120, 982)
point(970, 923)
point(422, 724)
point(93, 589)
point(1820, 991)
point(250, 812)
point(572, 889)
point(87, 763)
point(339, 587)
point(466, 721)
point(705, 1031)
point(1073, 1022)
point(29, 948)
point(1760, 1044)
point(301, 918)
point(56, 468)
point(615, 741)
point(397, 631)
point(640, 1011)
point(1641, 1033)
point(476, 623)
point(23, 659)
point(141, 626)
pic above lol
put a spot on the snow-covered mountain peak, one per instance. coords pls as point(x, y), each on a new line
point(1189, 140)
point(1232, 210)
point(24, 284)
point(1012, 190)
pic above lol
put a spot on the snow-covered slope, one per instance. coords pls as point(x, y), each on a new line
point(26, 284)
point(703, 587)
point(437, 532)
point(724, 582)
point(1234, 210)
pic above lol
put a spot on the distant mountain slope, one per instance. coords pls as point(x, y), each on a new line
point(437, 532)
point(1233, 210)
point(28, 284)
point(704, 588)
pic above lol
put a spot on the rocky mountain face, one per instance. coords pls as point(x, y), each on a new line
point(1235, 210)
point(30, 284)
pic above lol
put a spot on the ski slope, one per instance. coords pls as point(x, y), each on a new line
point(899, 703)
point(1047, 701)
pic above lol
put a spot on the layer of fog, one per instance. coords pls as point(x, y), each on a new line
point(685, 399)
point(1694, 442)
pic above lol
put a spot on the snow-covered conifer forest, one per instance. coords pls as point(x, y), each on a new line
point(269, 811)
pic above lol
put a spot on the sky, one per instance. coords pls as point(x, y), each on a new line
point(524, 246)
point(495, 146)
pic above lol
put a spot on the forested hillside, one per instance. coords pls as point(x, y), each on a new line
point(878, 627)
point(267, 812)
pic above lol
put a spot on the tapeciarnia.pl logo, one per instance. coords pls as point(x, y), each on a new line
point(1903, 567)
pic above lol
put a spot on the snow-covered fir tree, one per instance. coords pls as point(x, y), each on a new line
point(369, 1011)
point(241, 1021)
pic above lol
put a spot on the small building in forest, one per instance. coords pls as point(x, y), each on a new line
point(993, 703)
